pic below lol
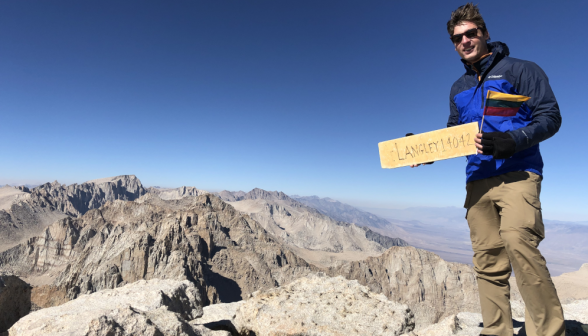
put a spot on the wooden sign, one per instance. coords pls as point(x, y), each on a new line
point(437, 145)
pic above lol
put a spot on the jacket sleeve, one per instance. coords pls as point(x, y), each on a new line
point(453, 113)
point(533, 82)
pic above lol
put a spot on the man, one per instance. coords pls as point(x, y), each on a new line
point(504, 178)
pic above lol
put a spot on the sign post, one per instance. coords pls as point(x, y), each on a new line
point(437, 145)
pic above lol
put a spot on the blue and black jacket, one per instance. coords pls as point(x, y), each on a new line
point(537, 119)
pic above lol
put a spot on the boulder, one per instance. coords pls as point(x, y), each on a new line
point(154, 307)
point(318, 305)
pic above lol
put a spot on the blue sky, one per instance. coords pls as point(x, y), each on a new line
point(280, 95)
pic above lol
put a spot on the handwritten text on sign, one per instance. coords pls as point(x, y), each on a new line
point(437, 145)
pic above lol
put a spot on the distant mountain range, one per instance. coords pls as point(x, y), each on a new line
point(309, 228)
point(297, 220)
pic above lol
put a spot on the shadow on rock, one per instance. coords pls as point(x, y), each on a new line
point(15, 300)
point(228, 290)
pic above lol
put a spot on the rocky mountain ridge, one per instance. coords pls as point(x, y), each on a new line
point(343, 212)
point(224, 251)
point(33, 210)
point(305, 227)
point(201, 239)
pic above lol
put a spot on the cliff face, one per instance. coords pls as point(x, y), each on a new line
point(77, 199)
point(200, 239)
point(432, 287)
point(30, 213)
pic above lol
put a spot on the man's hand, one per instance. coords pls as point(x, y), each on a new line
point(416, 165)
point(498, 144)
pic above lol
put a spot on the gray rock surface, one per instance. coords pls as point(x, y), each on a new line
point(15, 300)
point(33, 210)
point(155, 307)
point(319, 305)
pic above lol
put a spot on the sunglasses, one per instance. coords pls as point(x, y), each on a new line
point(456, 39)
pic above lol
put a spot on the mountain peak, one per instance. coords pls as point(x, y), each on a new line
point(266, 195)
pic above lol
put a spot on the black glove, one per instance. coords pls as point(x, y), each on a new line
point(498, 144)
point(409, 134)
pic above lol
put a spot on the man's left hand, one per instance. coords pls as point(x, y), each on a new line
point(498, 144)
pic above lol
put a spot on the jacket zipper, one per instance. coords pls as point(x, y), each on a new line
point(481, 84)
point(482, 94)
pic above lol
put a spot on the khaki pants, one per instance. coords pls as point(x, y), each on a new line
point(504, 215)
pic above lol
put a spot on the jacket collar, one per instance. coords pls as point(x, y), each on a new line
point(499, 50)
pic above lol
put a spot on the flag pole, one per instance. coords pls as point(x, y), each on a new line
point(484, 113)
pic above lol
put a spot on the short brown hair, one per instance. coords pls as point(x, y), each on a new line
point(468, 12)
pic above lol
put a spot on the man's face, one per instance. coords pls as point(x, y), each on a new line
point(471, 49)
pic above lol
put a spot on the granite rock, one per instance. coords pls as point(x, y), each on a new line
point(319, 305)
point(155, 307)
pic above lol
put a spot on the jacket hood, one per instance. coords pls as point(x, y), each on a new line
point(498, 48)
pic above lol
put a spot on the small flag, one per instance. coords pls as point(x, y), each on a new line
point(503, 104)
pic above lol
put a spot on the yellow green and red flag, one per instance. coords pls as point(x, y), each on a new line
point(503, 104)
